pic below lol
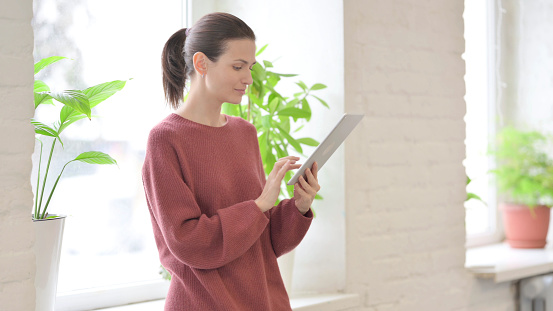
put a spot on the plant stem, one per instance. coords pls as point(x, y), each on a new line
point(38, 182)
point(45, 177)
point(53, 188)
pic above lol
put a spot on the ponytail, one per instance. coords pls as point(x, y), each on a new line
point(174, 68)
point(209, 35)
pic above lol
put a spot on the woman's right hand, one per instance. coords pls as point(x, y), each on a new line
point(268, 197)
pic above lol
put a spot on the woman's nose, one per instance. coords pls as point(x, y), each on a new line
point(248, 79)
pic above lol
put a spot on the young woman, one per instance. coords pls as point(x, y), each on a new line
point(216, 227)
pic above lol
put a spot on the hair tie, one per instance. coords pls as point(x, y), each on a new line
point(187, 31)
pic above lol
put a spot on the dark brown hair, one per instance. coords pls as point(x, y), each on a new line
point(209, 35)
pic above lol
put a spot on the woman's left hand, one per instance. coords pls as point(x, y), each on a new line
point(306, 190)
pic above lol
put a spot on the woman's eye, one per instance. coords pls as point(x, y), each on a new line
point(237, 68)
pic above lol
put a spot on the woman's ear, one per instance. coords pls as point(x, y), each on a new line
point(200, 63)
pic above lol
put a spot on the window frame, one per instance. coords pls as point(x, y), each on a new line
point(496, 232)
point(112, 296)
point(127, 293)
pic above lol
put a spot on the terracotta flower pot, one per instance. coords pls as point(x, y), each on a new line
point(524, 230)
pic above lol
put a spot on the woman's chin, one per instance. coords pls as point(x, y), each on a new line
point(235, 102)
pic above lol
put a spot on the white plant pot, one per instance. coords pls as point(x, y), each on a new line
point(48, 237)
point(286, 266)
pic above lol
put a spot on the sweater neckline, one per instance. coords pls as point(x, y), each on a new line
point(200, 125)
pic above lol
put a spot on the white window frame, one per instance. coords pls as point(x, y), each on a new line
point(496, 233)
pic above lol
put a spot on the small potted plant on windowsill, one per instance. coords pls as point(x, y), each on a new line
point(77, 105)
point(524, 177)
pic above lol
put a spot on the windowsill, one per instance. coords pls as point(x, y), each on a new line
point(322, 302)
point(503, 263)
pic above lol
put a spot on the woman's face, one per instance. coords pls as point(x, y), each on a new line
point(228, 78)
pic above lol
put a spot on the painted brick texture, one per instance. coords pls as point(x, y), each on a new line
point(17, 259)
point(405, 181)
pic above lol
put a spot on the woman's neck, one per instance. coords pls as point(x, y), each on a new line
point(201, 110)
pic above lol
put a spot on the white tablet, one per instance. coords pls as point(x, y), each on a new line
point(325, 149)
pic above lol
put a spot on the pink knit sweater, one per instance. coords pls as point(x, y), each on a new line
point(221, 250)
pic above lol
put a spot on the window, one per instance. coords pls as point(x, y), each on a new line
point(481, 220)
point(108, 241)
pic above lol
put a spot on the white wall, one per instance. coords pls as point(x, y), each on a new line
point(405, 182)
point(306, 38)
point(17, 259)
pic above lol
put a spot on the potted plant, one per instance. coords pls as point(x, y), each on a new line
point(524, 176)
point(277, 118)
point(77, 105)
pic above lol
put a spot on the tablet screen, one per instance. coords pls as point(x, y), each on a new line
point(329, 145)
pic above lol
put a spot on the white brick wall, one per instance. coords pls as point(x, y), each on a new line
point(405, 182)
point(17, 259)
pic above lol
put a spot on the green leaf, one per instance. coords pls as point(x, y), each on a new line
point(95, 157)
point(74, 99)
point(290, 139)
point(267, 64)
point(98, 93)
point(266, 122)
point(285, 123)
point(43, 129)
point(296, 113)
point(261, 50)
point(474, 196)
point(318, 86)
point(269, 162)
point(40, 86)
point(308, 141)
point(272, 79)
point(288, 75)
point(294, 102)
point(68, 115)
point(262, 139)
point(299, 128)
point(281, 153)
point(305, 107)
point(42, 98)
point(274, 102)
point(302, 85)
point(322, 101)
point(43, 63)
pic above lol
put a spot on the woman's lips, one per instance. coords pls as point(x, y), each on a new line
point(242, 92)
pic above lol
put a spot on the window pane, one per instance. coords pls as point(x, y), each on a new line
point(479, 216)
point(108, 238)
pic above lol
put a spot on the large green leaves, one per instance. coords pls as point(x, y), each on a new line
point(45, 62)
point(95, 157)
point(75, 99)
point(68, 115)
point(98, 93)
point(42, 98)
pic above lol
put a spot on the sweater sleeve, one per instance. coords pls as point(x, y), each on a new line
point(288, 226)
point(198, 241)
